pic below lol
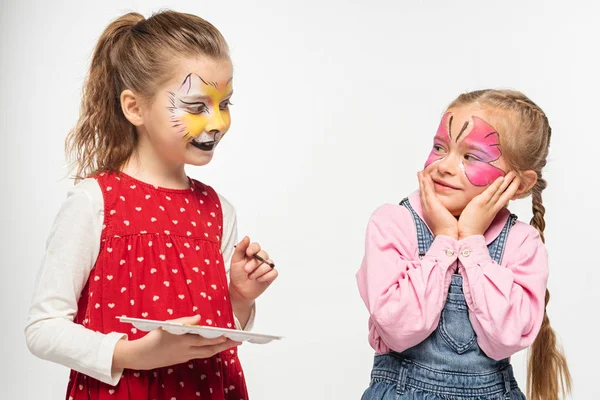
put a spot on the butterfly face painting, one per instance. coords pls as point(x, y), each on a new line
point(477, 142)
point(200, 111)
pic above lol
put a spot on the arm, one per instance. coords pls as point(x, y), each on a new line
point(244, 313)
point(404, 295)
point(506, 301)
point(71, 252)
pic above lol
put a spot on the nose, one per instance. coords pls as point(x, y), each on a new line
point(448, 165)
point(216, 123)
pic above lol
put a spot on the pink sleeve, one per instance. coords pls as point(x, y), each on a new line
point(404, 295)
point(506, 301)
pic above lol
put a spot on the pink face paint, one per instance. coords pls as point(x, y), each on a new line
point(441, 141)
point(478, 144)
point(481, 148)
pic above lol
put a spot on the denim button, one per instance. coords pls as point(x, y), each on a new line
point(450, 252)
point(466, 252)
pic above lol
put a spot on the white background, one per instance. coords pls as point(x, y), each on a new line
point(335, 108)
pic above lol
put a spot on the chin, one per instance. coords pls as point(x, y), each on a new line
point(199, 161)
point(452, 206)
point(198, 157)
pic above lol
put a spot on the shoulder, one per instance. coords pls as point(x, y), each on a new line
point(203, 189)
point(226, 206)
point(525, 244)
point(392, 223)
point(522, 233)
point(391, 215)
point(87, 192)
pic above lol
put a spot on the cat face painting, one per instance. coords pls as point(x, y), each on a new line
point(199, 111)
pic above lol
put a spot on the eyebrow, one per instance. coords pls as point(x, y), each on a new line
point(191, 97)
point(441, 138)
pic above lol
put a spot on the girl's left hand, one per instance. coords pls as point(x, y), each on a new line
point(249, 278)
point(481, 211)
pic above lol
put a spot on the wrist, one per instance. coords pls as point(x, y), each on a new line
point(453, 234)
point(122, 355)
point(465, 234)
point(239, 301)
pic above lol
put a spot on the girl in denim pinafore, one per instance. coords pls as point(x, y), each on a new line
point(414, 373)
point(449, 307)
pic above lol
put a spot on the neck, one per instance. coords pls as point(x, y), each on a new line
point(148, 165)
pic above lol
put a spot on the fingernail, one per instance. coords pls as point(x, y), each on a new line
point(251, 277)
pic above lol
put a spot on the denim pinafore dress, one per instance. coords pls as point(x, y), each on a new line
point(448, 364)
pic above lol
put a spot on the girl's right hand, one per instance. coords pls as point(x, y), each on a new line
point(160, 348)
point(437, 217)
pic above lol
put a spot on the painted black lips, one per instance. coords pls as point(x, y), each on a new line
point(206, 146)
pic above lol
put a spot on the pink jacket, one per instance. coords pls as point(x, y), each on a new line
point(405, 295)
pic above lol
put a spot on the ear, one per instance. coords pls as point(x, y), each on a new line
point(528, 180)
point(132, 107)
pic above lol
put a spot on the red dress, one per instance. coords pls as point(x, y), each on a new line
point(160, 259)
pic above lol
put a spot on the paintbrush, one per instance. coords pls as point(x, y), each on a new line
point(259, 258)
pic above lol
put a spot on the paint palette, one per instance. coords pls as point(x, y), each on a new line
point(208, 332)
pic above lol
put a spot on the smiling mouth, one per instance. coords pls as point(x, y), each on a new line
point(444, 184)
point(205, 146)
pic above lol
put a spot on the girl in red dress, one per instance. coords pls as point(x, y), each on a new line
point(136, 236)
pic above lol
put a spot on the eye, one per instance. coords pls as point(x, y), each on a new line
point(471, 157)
point(439, 148)
point(197, 108)
point(225, 104)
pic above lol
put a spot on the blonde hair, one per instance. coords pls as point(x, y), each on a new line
point(525, 141)
point(132, 53)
